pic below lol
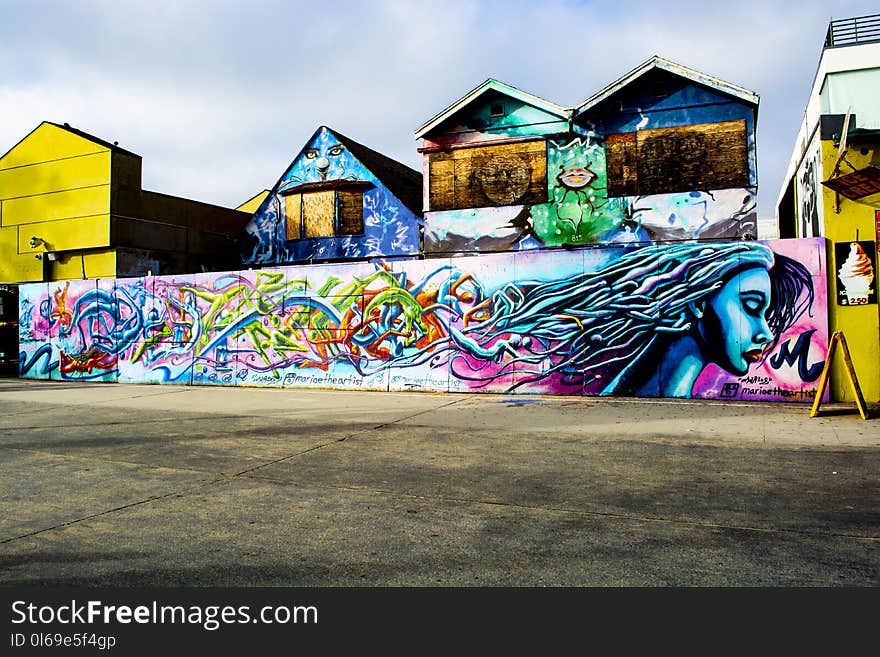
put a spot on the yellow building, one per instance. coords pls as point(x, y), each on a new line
point(254, 202)
point(71, 206)
point(832, 190)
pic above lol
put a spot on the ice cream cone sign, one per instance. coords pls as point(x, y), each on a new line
point(855, 275)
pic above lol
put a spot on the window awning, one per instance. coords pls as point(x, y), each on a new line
point(325, 185)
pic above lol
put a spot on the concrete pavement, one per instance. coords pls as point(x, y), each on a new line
point(135, 485)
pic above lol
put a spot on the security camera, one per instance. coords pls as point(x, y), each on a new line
point(35, 242)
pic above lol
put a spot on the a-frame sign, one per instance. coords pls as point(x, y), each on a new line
point(836, 338)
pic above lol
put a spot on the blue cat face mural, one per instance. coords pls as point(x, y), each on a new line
point(322, 159)
point(332, 203)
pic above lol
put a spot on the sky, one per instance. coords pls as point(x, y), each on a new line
point(218, 97)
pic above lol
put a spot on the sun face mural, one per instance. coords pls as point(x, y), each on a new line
point(740, 320)
point(330, 204)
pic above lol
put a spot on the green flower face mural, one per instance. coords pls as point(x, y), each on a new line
point(579, 210)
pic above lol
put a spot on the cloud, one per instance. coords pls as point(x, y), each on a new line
point(219, 97)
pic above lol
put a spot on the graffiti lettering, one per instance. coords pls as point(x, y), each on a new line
point(799, 353)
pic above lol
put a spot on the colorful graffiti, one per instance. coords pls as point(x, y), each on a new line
point(390, 228)
point(669, 158)
point(809, 195)
point(580, 212)
point(713, 320)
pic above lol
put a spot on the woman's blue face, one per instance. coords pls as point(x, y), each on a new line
point(734, 326)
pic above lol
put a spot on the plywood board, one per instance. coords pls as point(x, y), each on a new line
point(505, 174)
point(319, 213)
point(665, 160)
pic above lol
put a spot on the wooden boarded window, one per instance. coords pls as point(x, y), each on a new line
point(293, 214)
point(319, 214)
point(325, 209)
point(350, 211)
point(505, 174)
point(665, 160)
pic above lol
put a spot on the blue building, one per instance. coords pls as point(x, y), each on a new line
point(337, 201)
point(665, 153)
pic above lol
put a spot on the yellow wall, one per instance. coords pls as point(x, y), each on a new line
point(860, 324)
point(57, 175)
point(97, 264)
point(66, 234)
point(16, 267)
point(48, 142)
point(54, 185)
point(253, 204)
point(50, 206)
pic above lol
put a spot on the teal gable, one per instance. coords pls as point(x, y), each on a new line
point(338, 200)
point(486, 158)
point(493, 112)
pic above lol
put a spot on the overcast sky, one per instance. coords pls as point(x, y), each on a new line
point(218, 97)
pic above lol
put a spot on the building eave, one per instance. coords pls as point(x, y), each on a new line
point(657, 62)
point(491, 85)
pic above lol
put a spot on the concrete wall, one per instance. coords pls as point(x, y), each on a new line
point(736, 320)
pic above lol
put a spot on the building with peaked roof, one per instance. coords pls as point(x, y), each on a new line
point(72, 207)
point(338, 200)
point(684, 130)
point(665, 153)
point(485, 164)
point(832, 189)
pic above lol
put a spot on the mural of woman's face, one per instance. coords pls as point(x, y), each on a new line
point(733, 327)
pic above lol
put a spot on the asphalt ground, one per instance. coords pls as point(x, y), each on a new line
point(164, 486)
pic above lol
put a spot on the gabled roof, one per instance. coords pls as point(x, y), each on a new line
point(92, 138)
point(403, 182)
point(657, 62)
point(491, 85)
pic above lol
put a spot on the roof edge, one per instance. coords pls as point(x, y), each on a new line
point(402, 181)
point(672, 67)
point(92, 138)
point(479, 90)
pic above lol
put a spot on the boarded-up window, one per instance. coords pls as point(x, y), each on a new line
point(350, 211)
point(325, 209)
point(293, 214)
point(664, 160)
point(319, 213)
point(506, 174)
